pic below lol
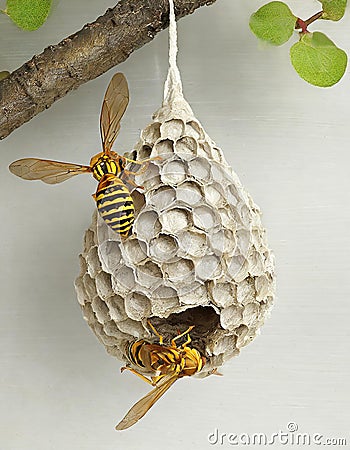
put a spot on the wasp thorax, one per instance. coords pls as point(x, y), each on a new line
point(104, 164)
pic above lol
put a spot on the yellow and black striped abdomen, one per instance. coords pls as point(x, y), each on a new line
point(115, 204)
point(134, 353)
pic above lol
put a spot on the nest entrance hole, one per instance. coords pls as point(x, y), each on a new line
point(204, 319)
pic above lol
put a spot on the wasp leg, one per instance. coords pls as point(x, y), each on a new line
point(156, 332)
point(144, 163)
point(125, 177)
point(157, 378)
point(139, 172)
point(181, 335)
point(142, 170)
point(137, 373)
point(187, 341)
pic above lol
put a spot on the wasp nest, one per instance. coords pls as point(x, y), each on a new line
point(197, 255)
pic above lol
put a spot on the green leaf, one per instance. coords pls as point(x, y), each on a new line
point(4, 74)
point(28, 14)
point(317, 60)
point(333, 9)
point(273, 22)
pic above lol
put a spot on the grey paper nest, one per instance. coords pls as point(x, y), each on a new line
point(198, 253)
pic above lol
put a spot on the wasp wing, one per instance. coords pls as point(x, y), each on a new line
point(113, 108)
point(51, 172)
point(142, 406)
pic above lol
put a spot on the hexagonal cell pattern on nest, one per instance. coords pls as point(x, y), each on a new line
point(197, 256)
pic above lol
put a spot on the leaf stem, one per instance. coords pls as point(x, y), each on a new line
point(313, 18)
point(303, 24)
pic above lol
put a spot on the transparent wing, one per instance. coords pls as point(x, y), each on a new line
point(113, 108)
point(142, 406)
point(48, 171)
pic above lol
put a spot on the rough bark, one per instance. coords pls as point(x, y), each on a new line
point(83, 56)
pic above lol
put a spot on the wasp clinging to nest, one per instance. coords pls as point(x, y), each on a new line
point(169, 363)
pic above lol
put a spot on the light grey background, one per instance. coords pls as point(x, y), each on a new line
point(288, 142)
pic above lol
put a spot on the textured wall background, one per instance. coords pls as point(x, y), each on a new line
point(287, 141)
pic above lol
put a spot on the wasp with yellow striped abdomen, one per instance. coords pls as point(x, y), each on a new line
point(113, 199)
point(169, 363)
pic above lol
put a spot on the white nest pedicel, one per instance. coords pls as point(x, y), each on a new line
point(197, 255)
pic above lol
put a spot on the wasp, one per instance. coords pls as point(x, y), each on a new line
point(169, 364)
point(113, 198)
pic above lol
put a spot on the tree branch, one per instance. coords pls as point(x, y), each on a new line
point(84, 56)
